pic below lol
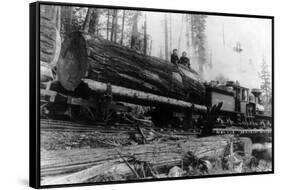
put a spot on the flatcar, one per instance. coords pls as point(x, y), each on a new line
point(227, 106)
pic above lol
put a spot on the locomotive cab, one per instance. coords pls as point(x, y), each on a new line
point(243, 100)
point(257, 94)
point(241, 95)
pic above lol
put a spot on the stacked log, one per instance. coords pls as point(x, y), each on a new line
point(140, 97)
point(79, 165)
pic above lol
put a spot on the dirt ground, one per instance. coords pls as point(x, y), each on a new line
point(260, 160)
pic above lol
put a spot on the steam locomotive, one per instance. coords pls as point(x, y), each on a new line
point(241, 107)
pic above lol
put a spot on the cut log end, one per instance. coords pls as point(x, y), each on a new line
point(72, 64)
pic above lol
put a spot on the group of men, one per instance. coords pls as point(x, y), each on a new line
point(183, 60)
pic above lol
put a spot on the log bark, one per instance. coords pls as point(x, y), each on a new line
point(93, 26)
point(66, 20)
point(122, 66)
point(139, 97)
point(122, 30)
point(50, 41)
point(114, 26)
point(135, 32)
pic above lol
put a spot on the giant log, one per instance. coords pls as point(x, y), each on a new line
point(50, 40)
point(119, 65)
point(143, 98)
point(110, 63)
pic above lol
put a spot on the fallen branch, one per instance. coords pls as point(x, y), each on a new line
point(126, 162)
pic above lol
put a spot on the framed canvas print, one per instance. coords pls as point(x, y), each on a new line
point(125, 94)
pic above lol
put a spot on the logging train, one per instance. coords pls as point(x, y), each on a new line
point(100, 81)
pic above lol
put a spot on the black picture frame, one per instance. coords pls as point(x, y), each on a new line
point(34, 99)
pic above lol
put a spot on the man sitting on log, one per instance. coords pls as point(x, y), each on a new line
point(184, 60)
point(174, 57)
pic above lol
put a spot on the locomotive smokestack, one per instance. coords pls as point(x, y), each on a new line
point(257, 93)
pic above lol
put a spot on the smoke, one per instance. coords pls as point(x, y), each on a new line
point(236, 47)
point(221, 78)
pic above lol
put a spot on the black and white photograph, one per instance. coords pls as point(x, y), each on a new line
point(136, 94)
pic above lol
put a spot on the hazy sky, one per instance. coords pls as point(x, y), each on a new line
point(253, 34)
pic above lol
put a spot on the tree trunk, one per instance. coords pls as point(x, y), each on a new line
point(170, 31)
point(180, 35)
point(123, 24)
point(67, 19)
point(189, 35)
point(107, 25)
point(87, 20)
point(135, 35)
point(198, 40)
point(150, 48)
point(58, 20)
point(115, 25)
point(145, 36)
point(94, 22)
point(161, 56)
point(166, 37)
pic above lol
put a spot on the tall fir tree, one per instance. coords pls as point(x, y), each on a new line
point(265, 77)
point(196, 25)
point(166, 37)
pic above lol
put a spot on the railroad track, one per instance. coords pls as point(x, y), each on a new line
point(241, 131)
